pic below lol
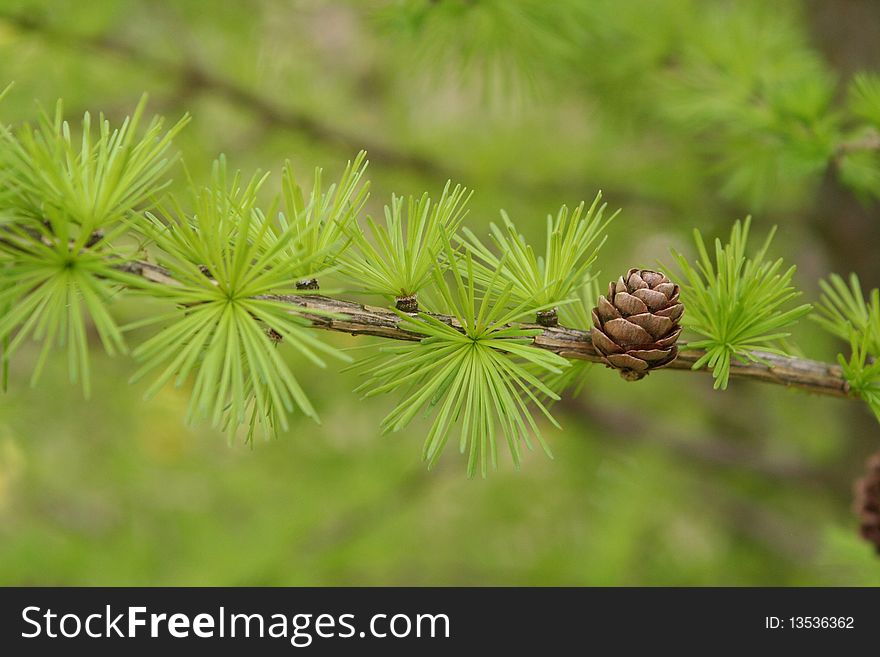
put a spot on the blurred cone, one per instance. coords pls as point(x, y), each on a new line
point(867, 502)
point(636, 326)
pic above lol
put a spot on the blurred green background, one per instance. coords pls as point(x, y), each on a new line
point(686, 114)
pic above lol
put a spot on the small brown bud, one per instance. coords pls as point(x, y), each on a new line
point(407, 304)
point(548, 317)
point(274, 335)
point(94, 238)
point(307, 284)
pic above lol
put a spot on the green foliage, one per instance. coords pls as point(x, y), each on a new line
point(313, 83)
point(860, 171)
point(759, 97)
point(859, 157)
point(66, 205)
point(94, 182)
point(321, 226)
point(229, 262)
point(862, 372)
point(473, 374)
point(473, 38)
point(578, 313)
point(573, 243)
point(864, 97)
point(736, 303)
point(572, 379)
point(844, 312)
point(53, 290)
point(398, 258)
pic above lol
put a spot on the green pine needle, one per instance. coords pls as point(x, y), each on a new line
point(322, 225)
point(230, 261)
point(94, 181)
point(52, 295)
point(477, 377)
point(844, 312)
point(66, 203)
point(864, 97)
point(578, 313)
point(862, 372)
point(736, 302)
point(574, 315)
point(398, 258)
point(573, 243)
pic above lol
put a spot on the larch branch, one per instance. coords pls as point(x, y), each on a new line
point(360, 319)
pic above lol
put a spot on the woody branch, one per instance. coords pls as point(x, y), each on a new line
point(360, 319)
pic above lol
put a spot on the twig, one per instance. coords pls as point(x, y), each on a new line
point(359, 319)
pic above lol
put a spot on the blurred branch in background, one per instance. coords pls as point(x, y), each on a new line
point(193, 79)
point(712, 451)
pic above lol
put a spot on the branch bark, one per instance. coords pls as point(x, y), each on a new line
point(360, 319)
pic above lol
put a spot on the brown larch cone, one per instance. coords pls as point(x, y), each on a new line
point(867, 502)
point(636, 326)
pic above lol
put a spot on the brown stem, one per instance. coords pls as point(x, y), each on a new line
point(359, 319)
